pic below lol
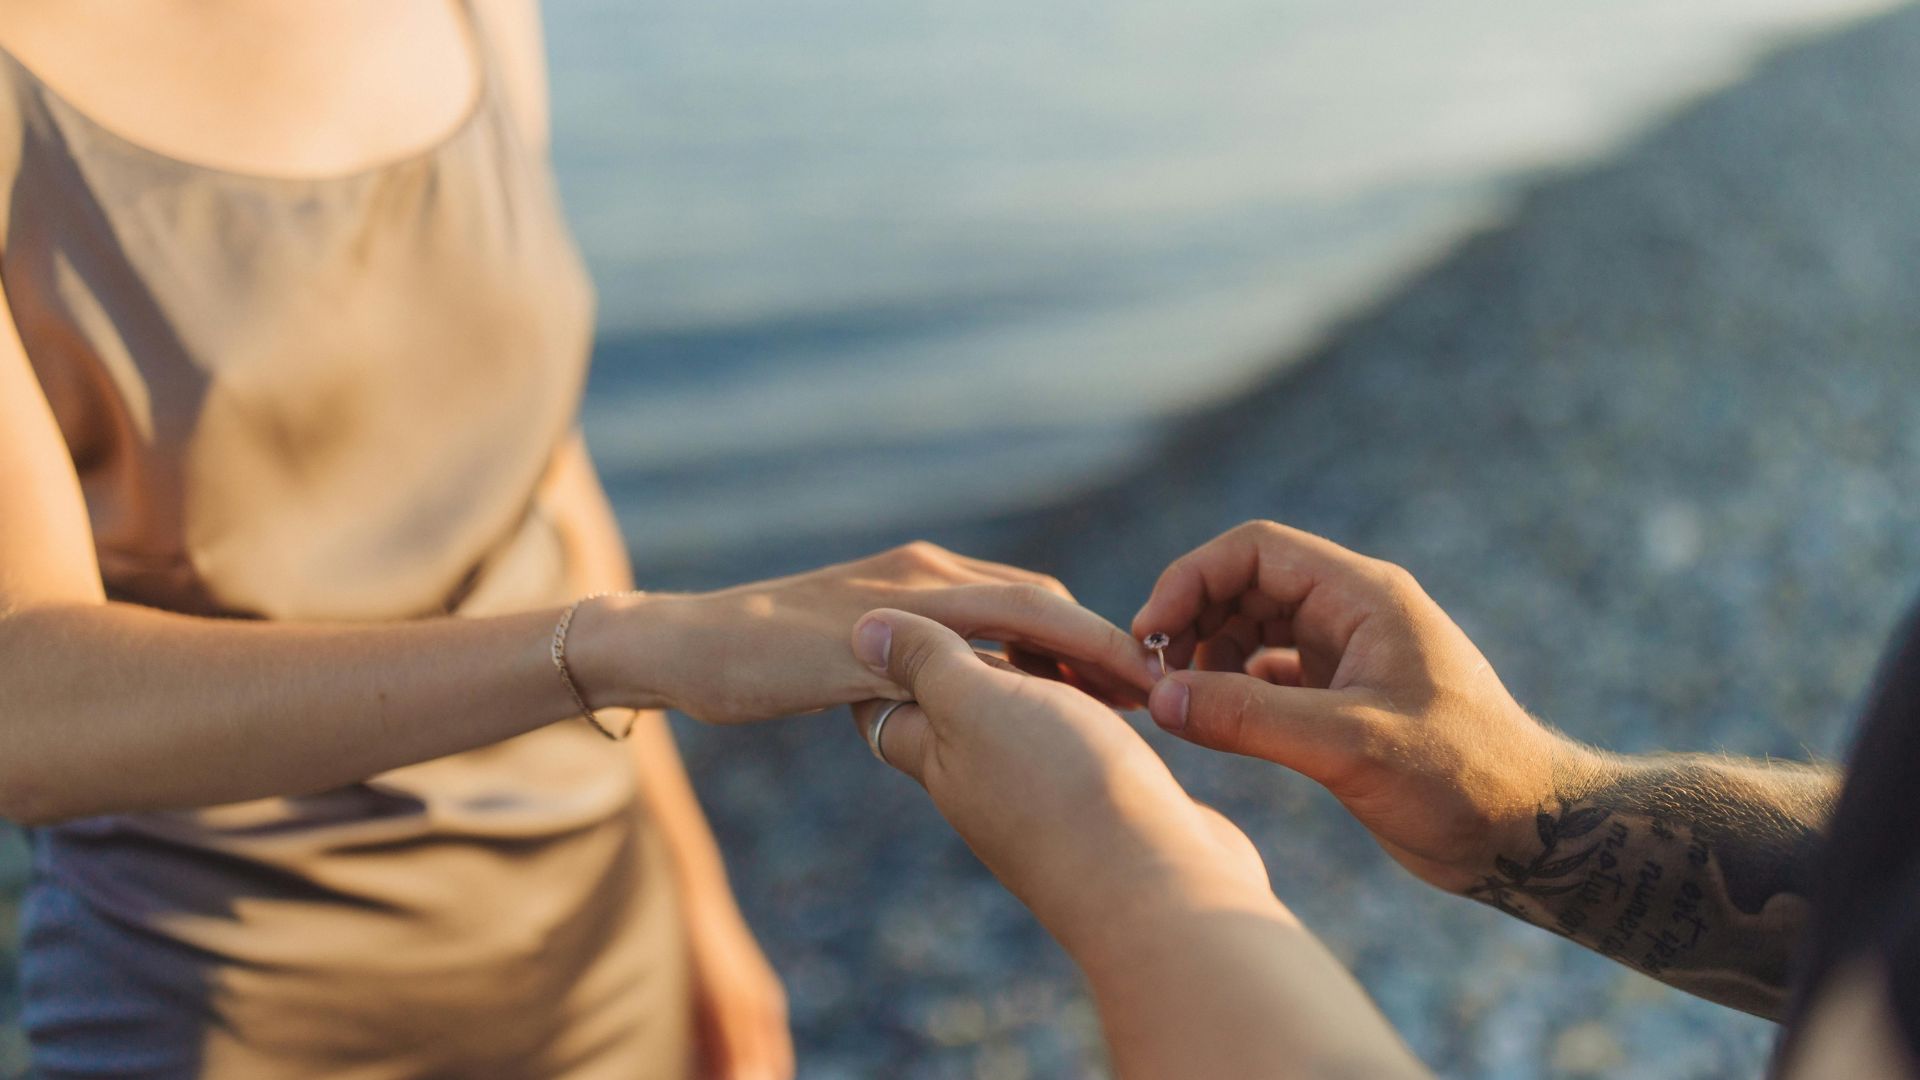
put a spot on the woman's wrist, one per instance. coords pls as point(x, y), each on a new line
point(620, 649)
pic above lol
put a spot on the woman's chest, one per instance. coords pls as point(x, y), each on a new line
point(271, 88)
point(444, 293)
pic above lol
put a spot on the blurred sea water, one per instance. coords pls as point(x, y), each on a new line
point(877, 265)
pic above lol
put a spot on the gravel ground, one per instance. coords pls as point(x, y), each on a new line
point(1646, 442)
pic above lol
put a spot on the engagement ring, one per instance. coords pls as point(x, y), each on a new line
point(1158, 642)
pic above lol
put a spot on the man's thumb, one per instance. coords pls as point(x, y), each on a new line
point(918, 655)
point(1315, 732)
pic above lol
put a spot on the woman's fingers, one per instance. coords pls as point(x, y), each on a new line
point(994, 571)
point(1088, 680)
point(1046, 633)
point(1036, 619)
point(995, 660)
point(1092, 680)
point(1039, 665)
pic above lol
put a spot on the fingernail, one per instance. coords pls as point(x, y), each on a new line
point(872, 641)
point(1155, 668)
point(1168, 705)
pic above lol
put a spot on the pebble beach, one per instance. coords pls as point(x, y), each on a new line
point(1649, 438)
point(1649, 441)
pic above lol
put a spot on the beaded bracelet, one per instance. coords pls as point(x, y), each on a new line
point(559, 651)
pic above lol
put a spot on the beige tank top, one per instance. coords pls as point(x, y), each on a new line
point(339, 399)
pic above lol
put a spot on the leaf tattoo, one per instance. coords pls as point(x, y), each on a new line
point(1581, 822)
point(1563, 867)
point(1537, 878)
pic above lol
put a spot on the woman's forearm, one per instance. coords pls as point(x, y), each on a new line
point(113, 707)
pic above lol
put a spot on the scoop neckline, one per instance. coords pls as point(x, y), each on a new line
point(476, 105)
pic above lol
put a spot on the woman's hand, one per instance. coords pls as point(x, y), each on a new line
point(1340, 667)
point(1055, 793)
point(776, 648)
point(739, 1006)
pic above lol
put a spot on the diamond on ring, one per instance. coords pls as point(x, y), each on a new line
point(1158, 642)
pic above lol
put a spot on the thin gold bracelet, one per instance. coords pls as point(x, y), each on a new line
point(566, 675)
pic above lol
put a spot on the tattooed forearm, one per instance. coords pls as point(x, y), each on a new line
point(1693, 870)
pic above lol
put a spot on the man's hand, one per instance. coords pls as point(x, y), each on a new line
point(1055, 793)
point(1197, 969)
point(1361, 682)
point(1690, 868)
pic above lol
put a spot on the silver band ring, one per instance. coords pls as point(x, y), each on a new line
point(879, 722)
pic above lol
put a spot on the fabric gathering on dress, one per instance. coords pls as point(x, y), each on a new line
point(332, 399)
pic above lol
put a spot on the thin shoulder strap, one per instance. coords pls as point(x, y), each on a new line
point(19, 92)
point(479, 33)
point(497, 81)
